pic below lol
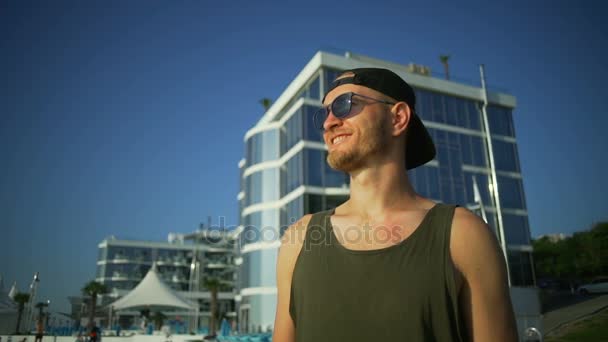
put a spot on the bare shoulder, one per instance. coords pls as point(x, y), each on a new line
point(471, 241)
point(291, 243)
point(295, 233)
point(484, 296)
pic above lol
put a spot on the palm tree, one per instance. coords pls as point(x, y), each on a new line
point(266, 103)
point(40, 306)
point(214, 285)
point(20, 298)
point(93, 289)
point(444, 60)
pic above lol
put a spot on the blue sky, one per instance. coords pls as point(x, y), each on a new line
point(127, 118)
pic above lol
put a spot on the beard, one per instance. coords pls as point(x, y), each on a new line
point(374, 141)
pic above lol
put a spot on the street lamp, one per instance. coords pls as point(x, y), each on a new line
point(48, 312)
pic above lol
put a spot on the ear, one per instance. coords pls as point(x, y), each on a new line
point(401, 118)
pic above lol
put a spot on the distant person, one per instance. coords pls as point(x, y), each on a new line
point(94, 334)
point(388, 264)
point(39, 331)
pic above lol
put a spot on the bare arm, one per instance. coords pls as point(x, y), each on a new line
point(485, 301)
point(291, 244)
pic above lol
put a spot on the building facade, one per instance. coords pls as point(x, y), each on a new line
point(184, 263)
point(284, 175)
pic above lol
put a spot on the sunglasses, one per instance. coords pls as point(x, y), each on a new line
point(341, 107)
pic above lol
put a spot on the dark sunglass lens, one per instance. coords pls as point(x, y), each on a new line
point(341, 105)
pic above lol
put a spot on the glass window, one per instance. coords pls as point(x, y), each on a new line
point(418, 178)
point(465, 148)
point(250, 224)
point(433, 182)
point(311, 133)
point(459, 194)
point(511, 193)
point(505, 155)
point(102, 253)
point(473, 115)
point(126, 271)
point(453, 111)
point(262, 147)
point(483, 184)
point(478, 152)
point(423, 104)
point(293, 130)
point(267, 267)
point(117, 253)
point(314, 89)
point(438, 108)
point(517, 231)
point(262, 186)
point(314, 166)
point(520, 268)
point(101, 271)
point(447, 109)
point(294, 174)
point(260, 226)
point(500, 120)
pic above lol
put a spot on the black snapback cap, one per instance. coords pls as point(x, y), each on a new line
point(419, 146)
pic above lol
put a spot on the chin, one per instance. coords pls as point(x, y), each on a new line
point(345, 162)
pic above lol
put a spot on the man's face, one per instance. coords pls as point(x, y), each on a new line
point(355, 140)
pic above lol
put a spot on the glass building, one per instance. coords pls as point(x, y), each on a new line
point(284, 175)
point(184, 263)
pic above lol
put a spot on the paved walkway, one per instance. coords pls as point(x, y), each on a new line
point(556, 318)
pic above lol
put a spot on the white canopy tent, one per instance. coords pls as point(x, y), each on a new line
point(152, 292)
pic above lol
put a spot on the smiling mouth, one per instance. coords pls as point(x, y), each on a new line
point(339, 139)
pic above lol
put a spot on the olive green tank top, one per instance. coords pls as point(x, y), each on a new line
point(404, 292)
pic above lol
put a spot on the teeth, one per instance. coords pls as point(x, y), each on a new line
point(338, 139)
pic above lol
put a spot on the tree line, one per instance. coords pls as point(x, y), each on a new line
point(582, 256)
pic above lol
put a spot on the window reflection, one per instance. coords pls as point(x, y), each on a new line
point(500, 120)
point(520, 268)
point(517, 231)
point(262, 186)
point(505, 155)
point(263, 146)
point(511, 193)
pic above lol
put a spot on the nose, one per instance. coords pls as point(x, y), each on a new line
point(331, 121)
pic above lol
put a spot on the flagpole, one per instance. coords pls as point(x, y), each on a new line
point(499, 222)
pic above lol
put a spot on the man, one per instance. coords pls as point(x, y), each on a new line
point(388, 264)
point(39, 329)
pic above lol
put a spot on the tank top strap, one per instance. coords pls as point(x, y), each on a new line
point(317, 233)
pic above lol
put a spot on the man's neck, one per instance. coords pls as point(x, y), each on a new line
point(376, 191)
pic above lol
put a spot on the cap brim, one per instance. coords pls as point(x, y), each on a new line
point(419, 146)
